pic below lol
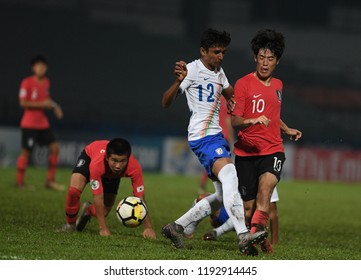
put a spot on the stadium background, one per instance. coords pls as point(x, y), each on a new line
point(110, 61)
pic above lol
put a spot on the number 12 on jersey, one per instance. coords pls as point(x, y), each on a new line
point(210, 97)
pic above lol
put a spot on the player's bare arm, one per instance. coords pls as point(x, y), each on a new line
point(294, 134)
point(228, 94)
point(99, 207)
point(148, 228)
point(180, 71)
point(27, 104)
point(242, 123)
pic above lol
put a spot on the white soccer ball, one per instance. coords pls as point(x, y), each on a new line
point(131, 211)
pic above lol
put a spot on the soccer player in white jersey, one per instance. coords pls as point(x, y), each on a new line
point(203, 81)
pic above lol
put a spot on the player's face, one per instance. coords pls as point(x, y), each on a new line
point(213, 58)
point(266, 63)
point(39, 69)
point(117, 163)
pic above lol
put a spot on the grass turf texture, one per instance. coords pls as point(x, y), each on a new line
point(317, 221)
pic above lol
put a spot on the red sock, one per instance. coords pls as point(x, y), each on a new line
point(259, 221)
point(21, 165)
point(72, 205)
point(52, 165)
point(91, 210)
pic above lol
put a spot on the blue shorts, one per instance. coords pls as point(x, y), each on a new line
point(210, 148)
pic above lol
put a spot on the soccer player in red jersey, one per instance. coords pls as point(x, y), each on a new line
point(102, 164)
point(35, 99)
point(259, 149)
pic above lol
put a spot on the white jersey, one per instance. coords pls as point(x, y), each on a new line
point(203, 89)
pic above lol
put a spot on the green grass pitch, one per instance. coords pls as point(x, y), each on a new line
point(318, 221)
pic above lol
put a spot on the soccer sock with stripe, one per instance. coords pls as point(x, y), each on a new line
point(259, 221)
point(21, 165)
point(72, 205)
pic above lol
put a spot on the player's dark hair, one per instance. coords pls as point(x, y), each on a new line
point(211, 38)
point(269, 39)
point(118, 146)
point(38, 59)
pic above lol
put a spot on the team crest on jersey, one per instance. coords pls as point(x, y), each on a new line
point(102, 151)
point(140, 188)
point(219, 151)
point(80, 163)
point(279, 94)
point(94, 185)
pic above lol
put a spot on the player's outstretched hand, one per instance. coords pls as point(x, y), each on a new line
point(294, 134)
point(180, 70)
point(149, 233)
point(104, 232)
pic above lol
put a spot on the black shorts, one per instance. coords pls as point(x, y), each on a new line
point(82, 167)
point(42, 137)
point(250, 168)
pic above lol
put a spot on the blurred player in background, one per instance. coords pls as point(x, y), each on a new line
point(103, 163)
point(203, 81)
point(35, 129)
point(259, 149)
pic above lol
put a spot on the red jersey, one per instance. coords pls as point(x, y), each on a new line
point(99, 169)
point(254, 99)
point(32, 90)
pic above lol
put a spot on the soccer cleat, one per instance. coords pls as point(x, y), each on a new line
point(266, 246)
point(210, 236)
point(247, 239)
point(84, 217)
point(175, 235)
point(67, 228)
point(52, 185)
point(252, 251)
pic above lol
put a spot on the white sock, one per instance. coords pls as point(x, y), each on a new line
point(192, 217)
point(197, 212)
point(226, 227)
point(231, 198)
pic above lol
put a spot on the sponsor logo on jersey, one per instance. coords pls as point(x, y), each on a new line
point(279, 94)
point(256, 96)
point(80, 163)
point(94, 185)
point(206, 78)
point(102, 151)
point(140, 188)
point(219, 151)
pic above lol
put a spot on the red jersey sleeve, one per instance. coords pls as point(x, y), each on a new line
point(135, 173)
point(24, 90)
point(96, 171)
point(240, 98)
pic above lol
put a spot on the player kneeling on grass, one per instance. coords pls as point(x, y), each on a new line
point(103, 163)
